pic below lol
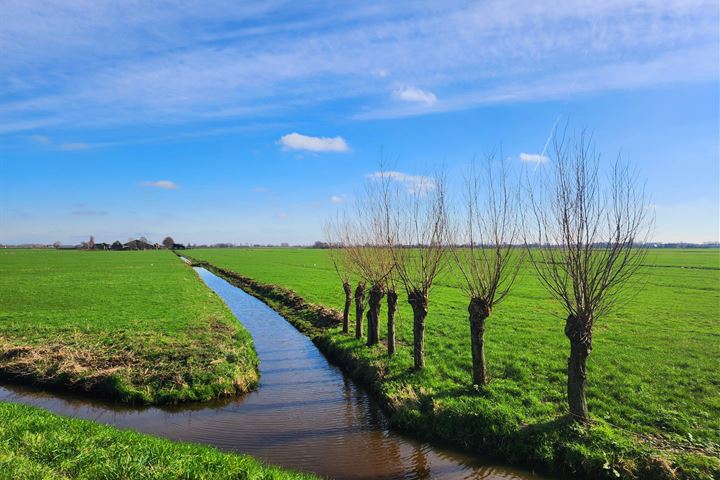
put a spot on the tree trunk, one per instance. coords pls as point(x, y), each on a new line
point(391, 307)
point(359, 309)
point(419, 303)
point(479, 312)
point(346, 312)
point(579, 331)
point(373, 314)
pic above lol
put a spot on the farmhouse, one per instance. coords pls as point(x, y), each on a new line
point(138, 245)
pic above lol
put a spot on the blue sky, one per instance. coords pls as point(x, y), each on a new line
point(254, 122)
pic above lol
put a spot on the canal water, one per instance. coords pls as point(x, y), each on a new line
point(305, 414)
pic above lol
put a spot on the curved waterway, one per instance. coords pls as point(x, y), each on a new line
point(305, 414)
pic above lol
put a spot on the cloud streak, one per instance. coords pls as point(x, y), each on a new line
point(89, 213)
point(414, 95)
point(73, 147)
point(216, 62)
point(162, 184)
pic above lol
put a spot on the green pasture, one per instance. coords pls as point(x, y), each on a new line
point(652, 375)
point(138, 327)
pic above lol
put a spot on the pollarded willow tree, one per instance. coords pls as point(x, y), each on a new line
point(419, 247)
point(392, 298)
point(385, 228)
point(590, 236)
point(486, 255)
point(369, 254)
point(341, 264)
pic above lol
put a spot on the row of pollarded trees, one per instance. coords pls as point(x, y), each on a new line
point(583, 234)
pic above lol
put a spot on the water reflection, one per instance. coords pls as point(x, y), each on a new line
point(305, 414)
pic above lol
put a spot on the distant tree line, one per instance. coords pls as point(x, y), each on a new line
point(584, 236)
point(141, 243)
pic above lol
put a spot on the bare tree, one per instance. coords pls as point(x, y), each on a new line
point(359, 309)
point(369, 254)
point(487, 258)
point(391, 298)
point(419, 248)
point(336, 238)
point(346, 235)
point(591, 235)
point(387, 233)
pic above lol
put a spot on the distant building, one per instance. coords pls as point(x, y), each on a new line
point(116, 245)
point(178, 246)
point(138, 245)
point(101, 246)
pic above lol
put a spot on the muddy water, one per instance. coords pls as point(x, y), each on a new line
point(305, 415)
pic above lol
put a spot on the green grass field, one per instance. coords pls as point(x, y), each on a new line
point(36, 444)
point(653, 379)
point(138, 327)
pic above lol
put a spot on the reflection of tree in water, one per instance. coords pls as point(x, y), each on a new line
point(420, 463)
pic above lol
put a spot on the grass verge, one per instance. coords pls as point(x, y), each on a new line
point(136, 327)
point(503, 420)
point(36, 444)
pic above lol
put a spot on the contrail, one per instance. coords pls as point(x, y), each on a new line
point(547, 142)
point(552, 131)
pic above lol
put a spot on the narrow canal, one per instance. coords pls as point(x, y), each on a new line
point(305, 414)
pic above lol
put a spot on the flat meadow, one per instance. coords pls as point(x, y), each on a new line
point(138, 327)
point(653, 382)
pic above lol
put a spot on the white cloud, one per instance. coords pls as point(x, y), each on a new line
point(413, 183)
point(296, 141)
point(533, 158)
point(338, 199)
point(164, 184)
point(412, 94)
point(41, 139)
point(73, 147)
point(67, 147)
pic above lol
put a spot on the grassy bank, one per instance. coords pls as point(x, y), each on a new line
point(36, 444)
point(653, 390)
point(137, 327)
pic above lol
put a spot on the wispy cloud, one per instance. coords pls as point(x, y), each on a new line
point(414, 95)
point(164, 184)
point(89, 213)
point(219, 62)
point(338, 199)
point(297, 141)
point(73, 147)
point(413, 183)
point(533, 158)
point(66, 147)
point(41, 139)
